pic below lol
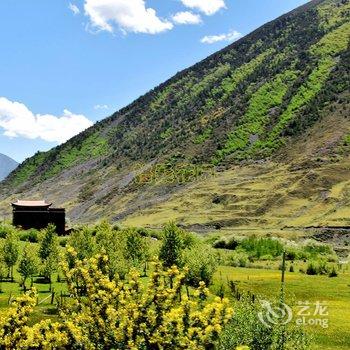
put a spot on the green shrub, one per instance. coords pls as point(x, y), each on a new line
point(147, 232)
point(156, 234)
point(201, 262)
point(258, 247)
point(136, 249)
point(144, 232)
point(63, 242)
point(314, 248)
point(333, 272)
point(226, 243)
point(332, 258)
point(220, 244)
point(5, 229)
point(203, 136)
point(232, 244)
point(83, 242)
point(189, 239)
point(238, 259)
point(32, 236)
point(112, 243)
point(291, 254)
point(311, 250)
point(266, 257)
point(171, 250)
point(318, 267)
point(246, 328)
point(312, 269)
point(323, 268)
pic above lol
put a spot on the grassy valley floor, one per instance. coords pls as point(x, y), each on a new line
point(265, 284)
point(335, 292)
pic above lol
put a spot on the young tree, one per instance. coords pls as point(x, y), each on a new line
point(136, 249)
point(202, 263)
point(112, 243)
point(49, 267)
point(3, 271)
point(11, 252)
point(48, 253)
point(28, 265)
point(83, 242)
point(171, 250)
point(49, 243)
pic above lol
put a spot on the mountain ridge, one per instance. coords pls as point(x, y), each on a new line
point(7, 165)
point(247, 104)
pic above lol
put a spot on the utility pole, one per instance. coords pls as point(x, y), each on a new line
point(283, 277)
point(282, 299)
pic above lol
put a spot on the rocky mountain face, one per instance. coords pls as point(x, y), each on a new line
point(7, 165)
point(257, 134)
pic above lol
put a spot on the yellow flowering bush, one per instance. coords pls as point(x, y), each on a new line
point(113, 314)
point(16, 334)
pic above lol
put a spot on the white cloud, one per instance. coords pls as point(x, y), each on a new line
point(186, 17)
point(97, 107)
point(209, 7)
point(128, 15)
point(74, 8)
point(231, 36)
point(18, 121)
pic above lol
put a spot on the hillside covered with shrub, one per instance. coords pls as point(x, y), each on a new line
point(261, 125)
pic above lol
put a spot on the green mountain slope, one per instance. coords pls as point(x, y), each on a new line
point(255, 134)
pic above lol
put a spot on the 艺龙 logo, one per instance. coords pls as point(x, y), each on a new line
point(273, 315)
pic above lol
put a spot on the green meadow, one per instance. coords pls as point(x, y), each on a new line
point(335, 292)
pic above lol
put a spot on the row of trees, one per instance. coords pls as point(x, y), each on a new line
point(32, 260)
point(129, 248)
point(125, 248)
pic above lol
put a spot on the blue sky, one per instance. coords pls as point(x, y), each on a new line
point(66, 64)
